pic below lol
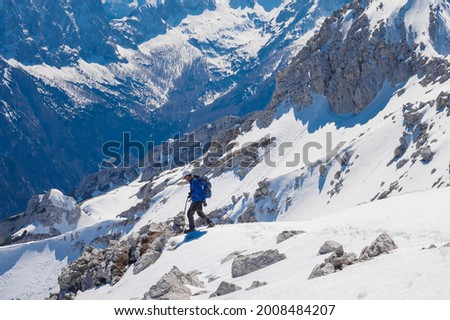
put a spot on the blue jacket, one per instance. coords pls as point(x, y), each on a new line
point(197, 193)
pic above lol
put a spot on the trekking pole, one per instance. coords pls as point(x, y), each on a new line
point(185, 205)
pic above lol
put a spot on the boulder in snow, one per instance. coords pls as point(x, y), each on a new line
point(225, 288)
point(172, 286)
point(248, 216)
point(243, 265)
point(321, 270)
point(337, 261)
point(256, 284)
point(443, 100)
point(146, 260)
point(426, 154)
point(329, 246)
point(287, 235)
point(231, 256)
point(382, 244)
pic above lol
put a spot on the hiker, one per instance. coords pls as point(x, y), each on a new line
point(198, 196)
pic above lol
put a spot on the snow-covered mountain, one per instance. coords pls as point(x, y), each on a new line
point(353, 147)
point(154, 68)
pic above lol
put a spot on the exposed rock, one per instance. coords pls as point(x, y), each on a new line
point(337, 175)
point(263, 190)
point(249, 214)
point(212, 278)
point(246, 264)
point(383, 244)
point(53, 296)
point(337, 261)
point(150, 190)
point(242, 160)
point(136, 211)
point(172, 286)
point(323, 170)
point(340, 259)
point(48, 212)
point(411, 118)
point(231, 256)
point(432, 246)
point(225, 288)
point(443, 101)
point(447, 245)
point(399, 151)
point(329, 246)
point(420, 134)
point(287, 235)
point(97, 267)
point(189, 147)
point(349, 69)
point(322, 270)
point(179, 221)
point(146, 260)
point(426, 154)
point(105, 180)
point(218, 216)
point(393, 186)
point(344, 158)
point(256, 284)
point(401, 163)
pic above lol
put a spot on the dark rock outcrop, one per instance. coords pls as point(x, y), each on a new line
point(46, 216)
point(245, 264)
point(256, 284)
point(383, 244)
point(96, 267)
point(340, 259)
point(172, 286)
point(225, 288)
point(329, 246)
point(285, 235)
point(337, 261)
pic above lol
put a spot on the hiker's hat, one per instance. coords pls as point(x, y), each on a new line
point(186, 173)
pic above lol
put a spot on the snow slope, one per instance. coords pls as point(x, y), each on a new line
point(369, 138)
point(30, 270)
point(414, 221)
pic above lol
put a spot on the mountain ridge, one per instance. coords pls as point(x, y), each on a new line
point(377, 170)
point(155, 78)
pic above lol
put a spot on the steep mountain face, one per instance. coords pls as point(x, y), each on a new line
point(361, 47)
point(46, 124)
point(54, 32)
point(153, 68)
point(44, 132)
point(325, 160)
point(48, 215)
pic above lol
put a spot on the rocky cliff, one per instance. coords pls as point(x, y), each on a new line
point(46, 216)
point(359, 48)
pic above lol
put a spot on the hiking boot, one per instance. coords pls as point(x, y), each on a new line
point(211, 224)
point(189, 230)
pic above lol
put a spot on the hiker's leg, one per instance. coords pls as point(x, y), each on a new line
point(201, 214)
point(190, 215)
